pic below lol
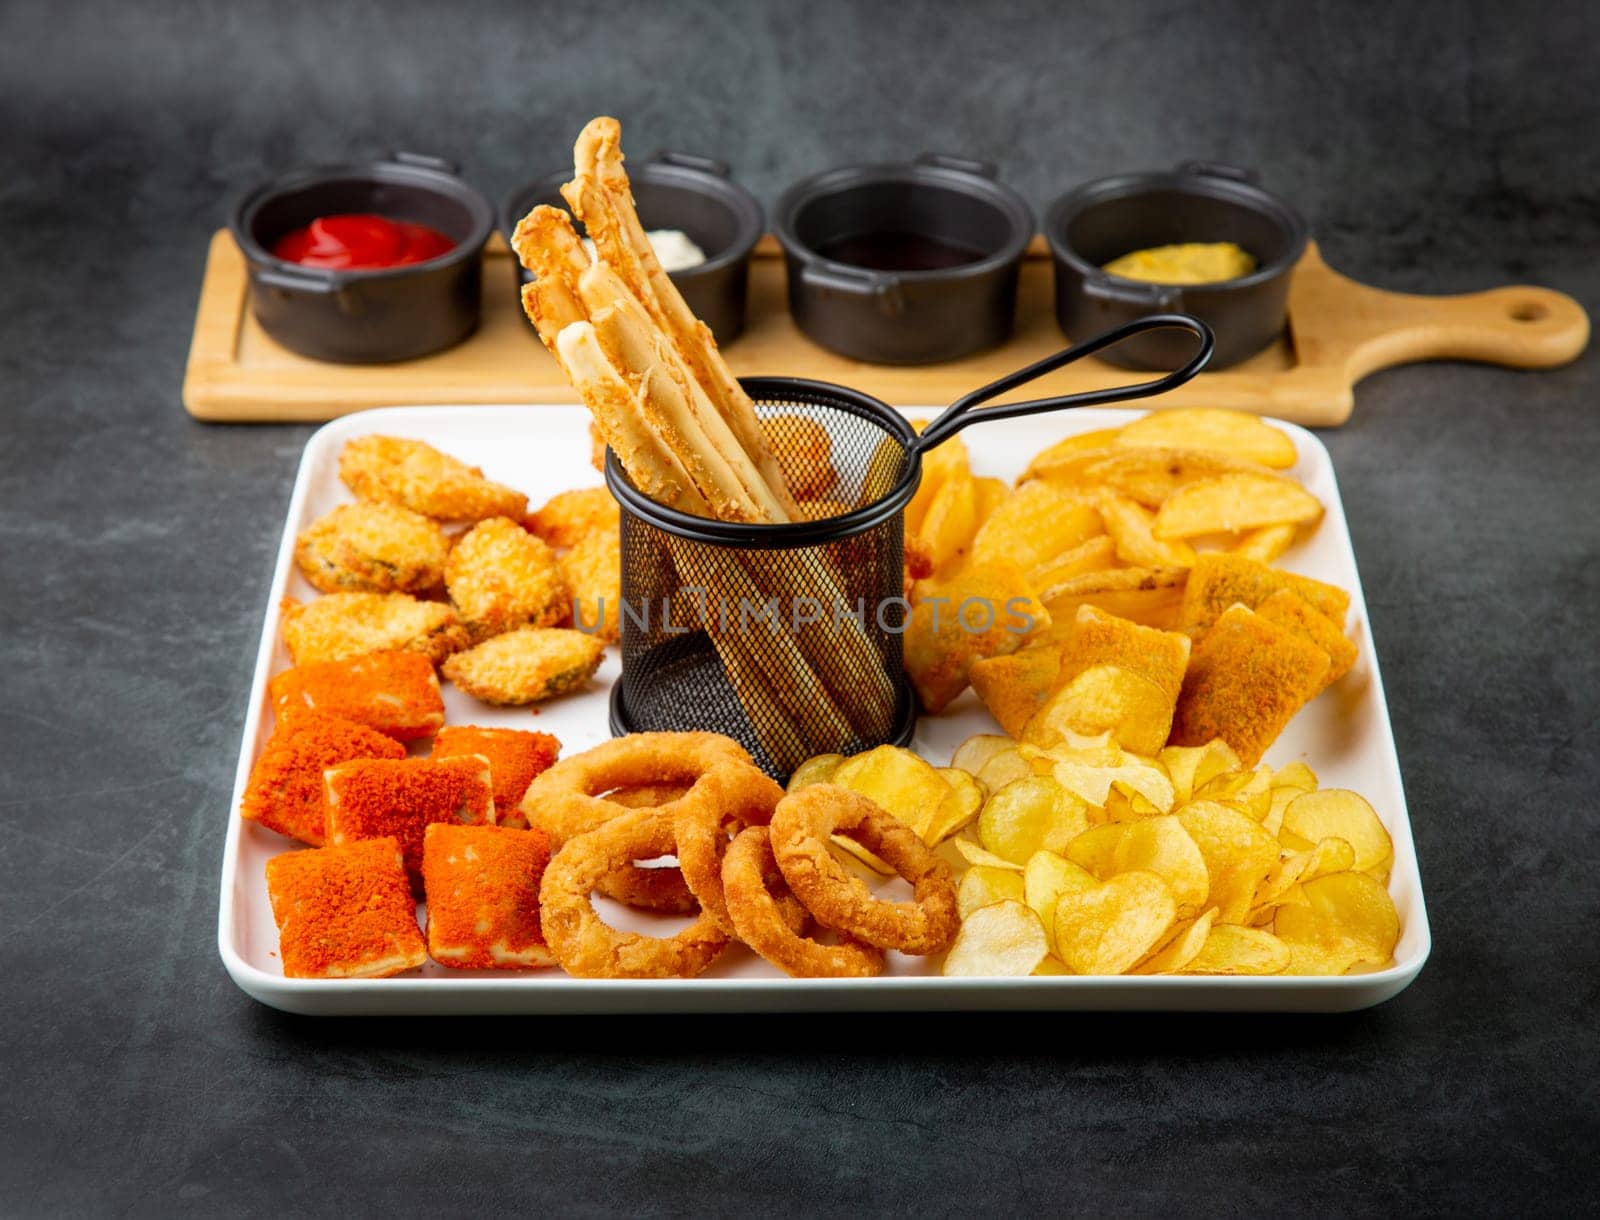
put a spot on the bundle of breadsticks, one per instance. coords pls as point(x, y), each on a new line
point(688, 437)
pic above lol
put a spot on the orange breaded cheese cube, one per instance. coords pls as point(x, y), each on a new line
point(285, 792)
point(1247, 678)
point(396, 693)
point(482, 885)
point(1219, 579)
point(516, 757)
point(376, 799)
point(345, 912)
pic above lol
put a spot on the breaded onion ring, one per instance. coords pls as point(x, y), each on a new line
point(761, 920)
point(589, 948)
point(730, 796)
point(800, 829)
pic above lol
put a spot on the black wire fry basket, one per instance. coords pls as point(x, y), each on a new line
point(787, 637)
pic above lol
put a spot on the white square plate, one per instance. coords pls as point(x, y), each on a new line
point(1344, 735)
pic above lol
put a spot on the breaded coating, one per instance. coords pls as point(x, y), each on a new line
point(1098, 638)
point(482, 884)
point(372, 548)
point(501, 577)
point(415, 475)
point(597, 447)
point(1219, 579)
point(1291, 611)
point(592, 572)
point(1246, 679)
point(344, 912)
point(528, 665)
point(285, 789)
point(1014, 687)
point(516, 757)
point(396, 693)
point(380, 798)
point(565, 519)
point(804, 451)
point(344, 625)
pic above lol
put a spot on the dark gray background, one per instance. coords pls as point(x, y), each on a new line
point(1433, 147)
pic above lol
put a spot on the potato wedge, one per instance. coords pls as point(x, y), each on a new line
point(1234, 502)
point(1235, 433)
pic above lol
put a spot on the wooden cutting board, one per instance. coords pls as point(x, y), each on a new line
point(1339, 331)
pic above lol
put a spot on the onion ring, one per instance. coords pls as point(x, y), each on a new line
point(800, 828)
point(731, 795)
point(761, 921)
point(585, 945)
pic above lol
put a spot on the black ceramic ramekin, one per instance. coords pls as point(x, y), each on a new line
point(693, 194)
point(370, 316)
point(904, 316)
point(1199, 201)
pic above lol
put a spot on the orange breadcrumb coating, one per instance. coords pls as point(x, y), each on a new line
point(516, 757)
point(285, 790)
point(482, 885)
point(372, 548)
point(529, 665)
point(345, 912)
point(1098, 638)
point(353, 624)
point(1014, 687)
point(415, 475)
point(1291, 611)
point(1219, 579)
point(1246, 680)
point(396, 693)
point(376, 799)
point(565, 519)
point(501, 577)
point(592, 571)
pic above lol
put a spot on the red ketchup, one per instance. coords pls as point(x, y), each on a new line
point(360, 241)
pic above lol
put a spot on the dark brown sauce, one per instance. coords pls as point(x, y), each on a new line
point(893, 251)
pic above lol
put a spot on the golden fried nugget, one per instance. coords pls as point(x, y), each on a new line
point(1098, 638)
point(501, 577)
point(568, 517)
point(1219, 579)
point(1246, 679)
point(528, 665)
point(804, 451)
point(372, 548)
point(592, 571)
point(1291, 611)
point(344, 625)
point(415, 475)
point(1014, 687)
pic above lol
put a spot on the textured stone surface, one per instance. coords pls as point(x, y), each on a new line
point(1433, 146)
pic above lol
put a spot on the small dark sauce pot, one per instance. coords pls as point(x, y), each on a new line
point(373, 316)
point(693, 194)
point(924, 210)
point(1198, 202)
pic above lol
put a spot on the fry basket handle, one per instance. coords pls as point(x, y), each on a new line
point(961, 412)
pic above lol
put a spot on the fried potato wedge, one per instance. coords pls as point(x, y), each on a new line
point(1034, 524)
point(1235, 433)
point(1131, 525)
point(1234, 502)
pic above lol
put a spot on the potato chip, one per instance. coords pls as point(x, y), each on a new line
point(1182, 946)
point(1004, 768)
point(1338, 813)
point(1235, 433)
point(1015, 687)
point(1234, 502)
point(1092, 781)
point(983, 885)
point(1094, 637)
point(1107, 929)
point(1050, 967)
point(978, 749)
point(1096, 555)
point(1234, 950)
point(1349, 918)
point(817, 770)
point(1105, 698)
point(1130, 526)
point(1034, 524)
point(1003, 940)
point(1248, 791)
point(898, 782)
point(1029, 815)
point(1123, 806)
point(986, 610)
point(1293, 613)
point(976, 855)
point(1295, 775)
point(1191, 767)
point(849, 852)
point(1238, 855)
point(1046, 876)
point(1159, 845)
point(1266, 543)
point(959, 807)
